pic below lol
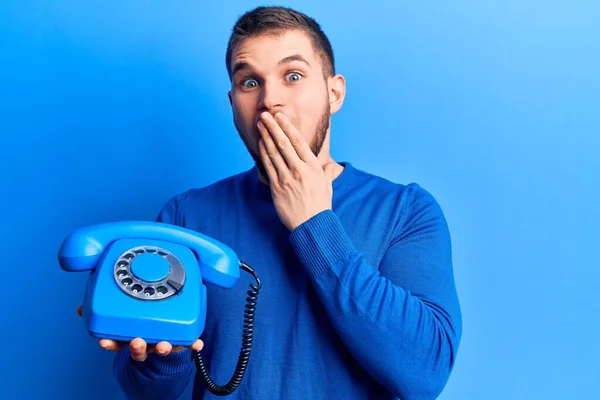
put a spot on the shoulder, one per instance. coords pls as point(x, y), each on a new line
point(408, 204)
point(208, 192)
point(176, 207)
point(410, 194)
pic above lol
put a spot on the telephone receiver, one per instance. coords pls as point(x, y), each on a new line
point(147, 279)
point(82, 249)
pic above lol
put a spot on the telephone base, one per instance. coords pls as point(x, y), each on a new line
point(112, 310)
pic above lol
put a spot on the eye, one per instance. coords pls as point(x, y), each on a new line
point(293, 76)
point(249, 83)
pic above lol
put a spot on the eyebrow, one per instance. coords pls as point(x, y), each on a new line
point(238, 66)
point(292, 58)
point(242, 65)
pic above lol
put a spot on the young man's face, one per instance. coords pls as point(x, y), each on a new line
point(280, 73)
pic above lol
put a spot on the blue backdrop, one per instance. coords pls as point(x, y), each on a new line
point(110, 107)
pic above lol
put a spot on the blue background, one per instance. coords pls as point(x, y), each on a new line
point(110, 107)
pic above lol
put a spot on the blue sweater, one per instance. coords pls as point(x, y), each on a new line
point(359, 302)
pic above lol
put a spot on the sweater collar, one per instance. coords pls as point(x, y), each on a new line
point(255, 188)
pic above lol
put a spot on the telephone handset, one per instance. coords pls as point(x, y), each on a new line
point(147, 280)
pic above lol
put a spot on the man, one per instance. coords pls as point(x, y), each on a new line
point(358, 299)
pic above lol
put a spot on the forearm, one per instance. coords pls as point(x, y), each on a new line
point(158, 377)
point(403, 341)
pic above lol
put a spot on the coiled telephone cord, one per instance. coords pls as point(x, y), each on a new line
point(247, 335)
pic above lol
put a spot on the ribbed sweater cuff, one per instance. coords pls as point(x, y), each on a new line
point(321, 243)
point(174, 363)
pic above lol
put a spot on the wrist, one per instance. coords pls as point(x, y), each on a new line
point(301, 221)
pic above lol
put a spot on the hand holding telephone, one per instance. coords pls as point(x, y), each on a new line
point(147, 280)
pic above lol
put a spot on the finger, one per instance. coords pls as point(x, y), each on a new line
point(198, 345)
point(138, 349)
point(272, 150)
point(111, 345)
point(301, 147)
point(163, 348)
point(281, 142)
point(289, 140)
point(269, 167)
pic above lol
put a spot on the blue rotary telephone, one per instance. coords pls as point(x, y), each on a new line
point(147, 280)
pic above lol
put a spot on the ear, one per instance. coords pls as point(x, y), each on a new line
point(230, 98)
point(337, 92)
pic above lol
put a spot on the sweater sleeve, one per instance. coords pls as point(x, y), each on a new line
point(158, 377)
point(402, 320)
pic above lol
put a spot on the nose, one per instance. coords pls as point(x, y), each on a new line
point(271, 97)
